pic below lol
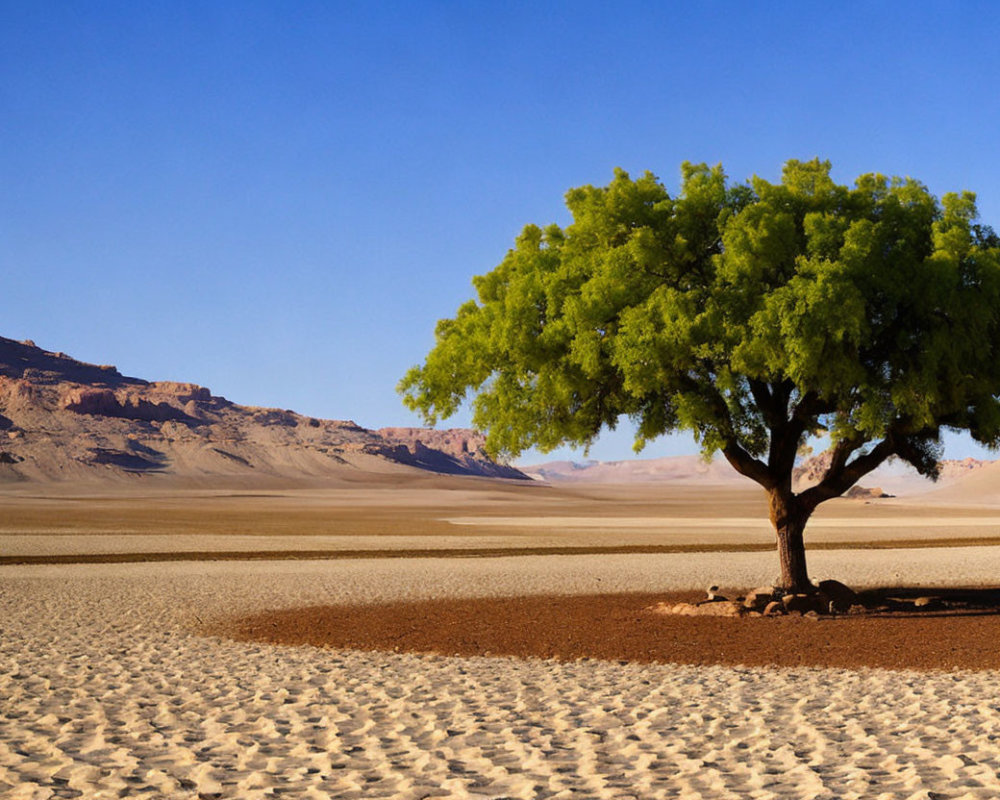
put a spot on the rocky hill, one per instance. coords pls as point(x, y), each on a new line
point(61, 419)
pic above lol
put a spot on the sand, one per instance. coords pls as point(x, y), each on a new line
point(475, 516)
point(109, 691)
point(110, 688)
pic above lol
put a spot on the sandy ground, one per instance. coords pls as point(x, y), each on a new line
point(456, 515)
point(109, 691)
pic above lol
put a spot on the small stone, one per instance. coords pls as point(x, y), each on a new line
point(774, 609)
point(706, 609)
point(760, 597)
point(799, 603)
point(719, 609)
point(713, 595)
point(927, 603)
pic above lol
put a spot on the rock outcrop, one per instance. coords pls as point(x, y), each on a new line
point(455, 451)
point(61, 419)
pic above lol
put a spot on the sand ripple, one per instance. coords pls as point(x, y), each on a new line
point(106, 692)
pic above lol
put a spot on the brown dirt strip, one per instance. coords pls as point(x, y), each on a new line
point(618, 628)
point(475, 552)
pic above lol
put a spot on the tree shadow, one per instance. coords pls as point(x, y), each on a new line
point(922, 601)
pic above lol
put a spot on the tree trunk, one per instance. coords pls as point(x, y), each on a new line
point(789, 520)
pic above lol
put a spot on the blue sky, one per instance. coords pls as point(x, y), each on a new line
point(278, 200)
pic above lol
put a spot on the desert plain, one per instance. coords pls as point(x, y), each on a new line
point(123, 671)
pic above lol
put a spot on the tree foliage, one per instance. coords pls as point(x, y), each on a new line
point(749, 314)
point(753, 315)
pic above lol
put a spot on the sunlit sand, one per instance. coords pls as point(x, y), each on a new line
point(112, 688)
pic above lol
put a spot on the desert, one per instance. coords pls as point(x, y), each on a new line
point(306, 623)
point(128, 679)
point(499, 401)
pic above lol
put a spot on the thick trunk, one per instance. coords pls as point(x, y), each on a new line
point(789, 519)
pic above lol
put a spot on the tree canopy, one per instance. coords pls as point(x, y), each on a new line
point(751, 314)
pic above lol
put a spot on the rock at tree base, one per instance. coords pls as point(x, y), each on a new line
point(803, 603)
point(709, 609)
point(758, 599)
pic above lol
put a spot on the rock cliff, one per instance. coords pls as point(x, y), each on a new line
point(61, 419)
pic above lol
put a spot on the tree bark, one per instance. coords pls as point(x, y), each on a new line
point(789, 518)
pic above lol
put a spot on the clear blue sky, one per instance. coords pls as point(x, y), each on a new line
point(278, 200)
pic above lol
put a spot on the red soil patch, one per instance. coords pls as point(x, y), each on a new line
point(966, 635)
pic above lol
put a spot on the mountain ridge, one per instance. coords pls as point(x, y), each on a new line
point(63, 419)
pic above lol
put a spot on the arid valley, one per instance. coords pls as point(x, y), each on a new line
point(123, 675)
point(202, 600)
point(499, 401)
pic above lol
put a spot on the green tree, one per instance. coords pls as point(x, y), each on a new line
point(753, 315)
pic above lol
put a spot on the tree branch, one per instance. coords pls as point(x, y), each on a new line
point(765, 400)
point(785, 431)
point(841, 452)
point(842, 476)
point(738, 457)
point(747, 465)
point(810, 406)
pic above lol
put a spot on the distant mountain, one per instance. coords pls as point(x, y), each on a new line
point(895, 478)
point(61, 419)
point(980, 485)
point(675, 469)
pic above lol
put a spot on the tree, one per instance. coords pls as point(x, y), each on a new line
point(754, 315)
